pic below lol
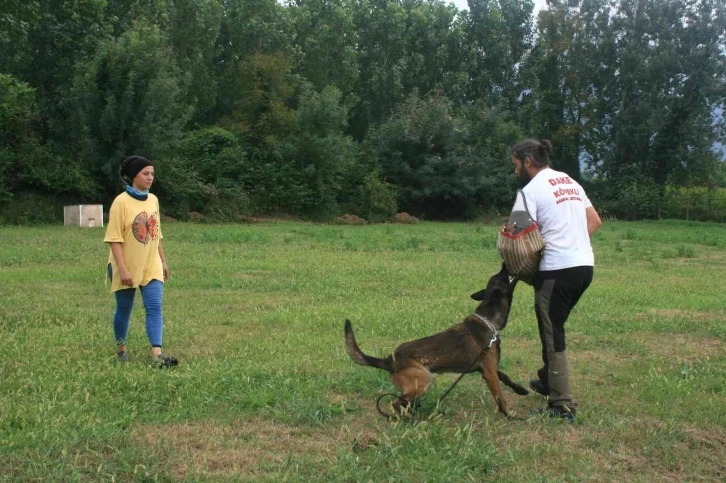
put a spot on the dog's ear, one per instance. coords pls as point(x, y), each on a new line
point(479, 296)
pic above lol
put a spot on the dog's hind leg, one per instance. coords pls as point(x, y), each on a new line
point(413, 382)
point(491, 377)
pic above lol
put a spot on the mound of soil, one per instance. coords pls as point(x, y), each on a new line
point(404, 217)
point(350, 220)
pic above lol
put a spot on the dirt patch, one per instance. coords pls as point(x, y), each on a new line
point(242, 448)
point(679, 313)
point(681, 346)
point(627, 460)
point(712, 440)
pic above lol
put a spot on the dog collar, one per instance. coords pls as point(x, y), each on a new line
point(487, 322)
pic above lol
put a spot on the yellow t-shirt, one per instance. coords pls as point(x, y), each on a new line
point(137, 225)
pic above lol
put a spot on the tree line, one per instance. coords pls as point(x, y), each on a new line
point(316, 108)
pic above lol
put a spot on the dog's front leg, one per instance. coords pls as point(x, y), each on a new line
point(489, 371)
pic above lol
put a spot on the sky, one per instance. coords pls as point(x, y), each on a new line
point(464, 4)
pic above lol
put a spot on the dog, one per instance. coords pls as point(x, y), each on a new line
point(471, 346)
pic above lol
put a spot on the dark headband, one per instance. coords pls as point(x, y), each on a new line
point(131, 166)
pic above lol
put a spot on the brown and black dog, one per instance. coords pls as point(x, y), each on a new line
point(464, 348)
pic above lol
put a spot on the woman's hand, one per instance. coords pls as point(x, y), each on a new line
point(166, 271)
point(123, 272)
point(126, 278)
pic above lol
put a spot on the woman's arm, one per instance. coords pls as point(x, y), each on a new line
point(123, 272)
point(163, 261)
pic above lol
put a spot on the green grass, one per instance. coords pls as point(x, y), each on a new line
point(265, 390)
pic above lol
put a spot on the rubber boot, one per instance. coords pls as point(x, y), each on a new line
point(558, 378)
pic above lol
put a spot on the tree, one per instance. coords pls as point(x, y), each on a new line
point(413, 46)
point(499, 36)
point(41, 42)
point(264, 88)
point(18, 141)
point(323, 153)
point(446, 164)
point(326, 38)
point(670, 80)
point(249, 28)
point(572, 57)
point(129, 99)
point(31, 173)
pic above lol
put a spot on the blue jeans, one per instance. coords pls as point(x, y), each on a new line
point(152, 294)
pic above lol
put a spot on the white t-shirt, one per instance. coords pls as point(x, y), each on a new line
point(558, 204)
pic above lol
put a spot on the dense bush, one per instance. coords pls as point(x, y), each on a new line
point(701, 204)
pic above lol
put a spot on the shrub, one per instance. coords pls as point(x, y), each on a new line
point(695, 203)
point(686, 251)
point(628, 196)
point(32, 209)
point(377, 198)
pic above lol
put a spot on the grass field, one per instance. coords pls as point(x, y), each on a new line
point(265, 390)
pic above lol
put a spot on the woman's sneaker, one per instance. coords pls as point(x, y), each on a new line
point(122, 356)
point(164, 361)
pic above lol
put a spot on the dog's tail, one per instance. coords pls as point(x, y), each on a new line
point(513, 385)
point(359, 357)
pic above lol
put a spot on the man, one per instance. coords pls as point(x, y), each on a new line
point(567, 219)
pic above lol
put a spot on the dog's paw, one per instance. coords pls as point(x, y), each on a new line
point(512, 415)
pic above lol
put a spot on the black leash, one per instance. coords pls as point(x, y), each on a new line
point(446, 393)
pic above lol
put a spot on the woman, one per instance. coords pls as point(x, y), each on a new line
point(137, 258)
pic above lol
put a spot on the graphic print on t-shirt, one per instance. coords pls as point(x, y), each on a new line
point(564, 194)
point(146, 227)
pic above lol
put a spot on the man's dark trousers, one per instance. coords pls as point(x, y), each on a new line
point(556, 294)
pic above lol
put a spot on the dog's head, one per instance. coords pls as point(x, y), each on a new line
point(496, 299)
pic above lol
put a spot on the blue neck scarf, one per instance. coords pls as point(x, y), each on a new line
point(136, 194)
